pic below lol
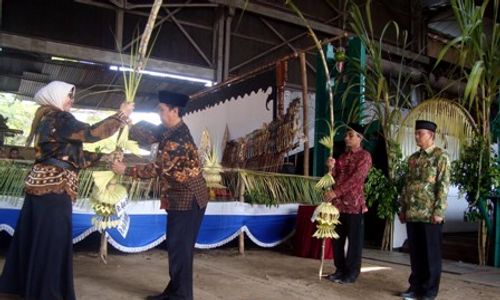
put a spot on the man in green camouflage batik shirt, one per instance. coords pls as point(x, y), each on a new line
point(423, 204)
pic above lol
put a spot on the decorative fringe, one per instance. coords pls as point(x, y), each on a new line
point(266, 245)
point(249, 234)
point(7, 228)
point(84, 234)
point(134, 249)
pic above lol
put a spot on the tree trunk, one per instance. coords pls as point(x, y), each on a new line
point(386, 239)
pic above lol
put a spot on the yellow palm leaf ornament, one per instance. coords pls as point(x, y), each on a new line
point(326, 217)
point(211, 164)
point(109, 198)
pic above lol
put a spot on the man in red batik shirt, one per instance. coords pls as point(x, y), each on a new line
point(350, 172)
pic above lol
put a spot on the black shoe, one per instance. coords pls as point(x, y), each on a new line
point(346, 280)
point(428, 298)
point(409, 294)
point(162, 296)
point(334, 276)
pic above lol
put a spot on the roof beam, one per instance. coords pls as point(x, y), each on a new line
point(278, 14)
point(100, 56)
point(316, 26)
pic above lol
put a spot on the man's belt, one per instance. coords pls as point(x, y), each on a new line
point(59, 163)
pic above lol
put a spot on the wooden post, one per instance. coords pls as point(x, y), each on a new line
point(242, 234)
point(305, 109)
point(103, 250)
point(281, 70)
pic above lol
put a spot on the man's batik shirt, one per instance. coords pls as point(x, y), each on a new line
point(426, 186)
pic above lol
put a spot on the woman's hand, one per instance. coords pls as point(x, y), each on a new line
point(118, 167)
point(127, 108)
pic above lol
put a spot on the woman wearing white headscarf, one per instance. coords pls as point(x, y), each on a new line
point(39, 262)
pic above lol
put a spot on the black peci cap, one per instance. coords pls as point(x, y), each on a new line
point(171, 98)
point(356, 127)
point(423, 124)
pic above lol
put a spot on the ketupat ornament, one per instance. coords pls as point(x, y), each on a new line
point(326, 217)
point(107, 193)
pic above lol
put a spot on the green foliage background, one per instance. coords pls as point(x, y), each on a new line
point(20, 115)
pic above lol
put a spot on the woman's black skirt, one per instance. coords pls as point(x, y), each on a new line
point(39, 264)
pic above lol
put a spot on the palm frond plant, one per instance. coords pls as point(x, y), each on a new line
point(478, 48)
point(275, 188)
point(108, 193)
point(456, 127)
point(388, 94)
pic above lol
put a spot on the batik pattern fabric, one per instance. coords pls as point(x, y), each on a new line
point(350, 172)
point(61, 136)
point(426, 185)
point(177, 165)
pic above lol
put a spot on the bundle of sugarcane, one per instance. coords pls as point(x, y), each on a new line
point(109, 193)
point(326, 217)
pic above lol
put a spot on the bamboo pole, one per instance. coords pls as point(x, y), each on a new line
point(305, 110)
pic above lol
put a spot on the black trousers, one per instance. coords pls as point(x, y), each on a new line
point(424, 240)
point(350, 227)
point(182, 232)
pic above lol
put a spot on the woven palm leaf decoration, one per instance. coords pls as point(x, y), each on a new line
point(107, 191)
point(326, 217)
point(211, 163)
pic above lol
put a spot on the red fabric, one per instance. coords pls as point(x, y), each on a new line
point(350, 172)
point(305, 245)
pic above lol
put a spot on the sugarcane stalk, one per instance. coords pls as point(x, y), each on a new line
point(132, 86)
point(322, 258)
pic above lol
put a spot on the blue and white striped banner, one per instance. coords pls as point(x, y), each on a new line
point(223, 222)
